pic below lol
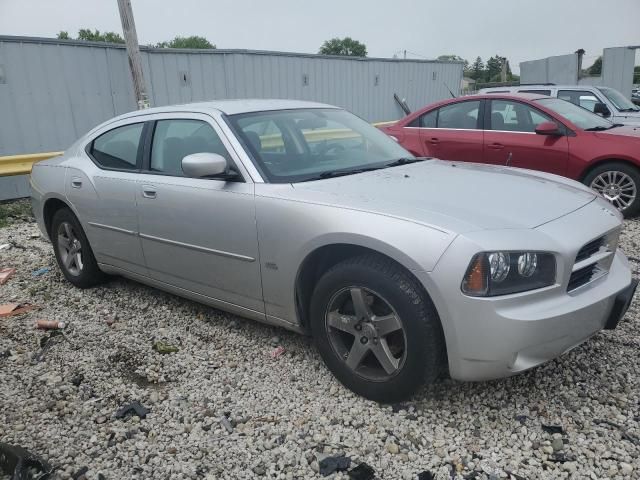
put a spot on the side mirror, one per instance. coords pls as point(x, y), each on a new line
point(601, 109)
point(548, 128)
point(205, 164)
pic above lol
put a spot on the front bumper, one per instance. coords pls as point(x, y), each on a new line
point(495, 337)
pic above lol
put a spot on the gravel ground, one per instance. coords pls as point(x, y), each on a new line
point(284, 413)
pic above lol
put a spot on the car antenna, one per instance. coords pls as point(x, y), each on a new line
point(447, 87)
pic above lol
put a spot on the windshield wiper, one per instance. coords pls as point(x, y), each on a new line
point(597, 128)
point(340, 173)
point(404, 161)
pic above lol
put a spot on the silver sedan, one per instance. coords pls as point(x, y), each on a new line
point(304, 216)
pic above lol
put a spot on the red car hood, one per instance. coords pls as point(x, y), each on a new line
point(626, 131)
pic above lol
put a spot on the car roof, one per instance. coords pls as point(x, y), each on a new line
point(540, 86)
point(230, 107)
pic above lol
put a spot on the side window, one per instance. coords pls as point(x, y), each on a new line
point(515, 116)
point(118, 148)
point(459, 115)
point(175, 139)
point(582, 98)
point(538, 92)
point(428, 120)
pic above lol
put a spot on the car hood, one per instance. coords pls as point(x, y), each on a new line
point(626, 131)
point(452, 196)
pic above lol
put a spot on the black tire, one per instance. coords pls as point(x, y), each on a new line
point(89, 274)
point(632, 172)
point(424, 355)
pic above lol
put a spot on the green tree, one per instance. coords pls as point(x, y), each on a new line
point(636, 74)
point(477, 69)
point(345, 46)
point(494, 69)
point(596, 68)
point(193, 41)
point(62, 35)
point(95, 36)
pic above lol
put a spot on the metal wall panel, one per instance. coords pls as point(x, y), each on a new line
point(56, 90)
point(561, 70)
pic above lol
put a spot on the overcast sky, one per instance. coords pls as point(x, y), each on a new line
point(425, 28)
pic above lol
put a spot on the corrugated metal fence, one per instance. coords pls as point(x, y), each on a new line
point(53, 91)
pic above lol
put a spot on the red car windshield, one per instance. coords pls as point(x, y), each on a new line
point(579, 116)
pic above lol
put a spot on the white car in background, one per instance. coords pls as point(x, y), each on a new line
point(605, 101)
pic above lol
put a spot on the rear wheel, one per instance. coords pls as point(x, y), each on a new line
point(619, 183)
point(376, 329)
point(73, 252)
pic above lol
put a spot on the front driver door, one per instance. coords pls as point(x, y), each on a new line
point(198, 234)
point(510, 138)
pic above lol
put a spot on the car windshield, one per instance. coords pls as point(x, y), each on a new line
point(307, 144)
point(579, 116)
point(620, 101)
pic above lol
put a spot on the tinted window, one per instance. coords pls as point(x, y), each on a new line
point(175, 139)
point(515, 116)
point(118, 148)
point(459, 115)
point(582, 98)
point(538, 92)
point(428, 120)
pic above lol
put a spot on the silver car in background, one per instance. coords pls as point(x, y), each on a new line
point(304, 216)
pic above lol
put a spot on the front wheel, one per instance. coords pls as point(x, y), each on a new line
point(619, 183)
point(376, 329)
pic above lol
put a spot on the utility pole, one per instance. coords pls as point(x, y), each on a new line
point(405, 54)
point(133, 51)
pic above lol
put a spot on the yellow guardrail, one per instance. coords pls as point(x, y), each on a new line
point(22, 164)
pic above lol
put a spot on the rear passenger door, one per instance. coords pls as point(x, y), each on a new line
point(453, 131)
point(103, 192)
point(198, 234)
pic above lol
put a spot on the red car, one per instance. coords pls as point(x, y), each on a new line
point(530, 131)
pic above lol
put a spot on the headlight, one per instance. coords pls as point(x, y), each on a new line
point(501, 273)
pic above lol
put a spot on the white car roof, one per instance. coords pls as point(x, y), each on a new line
point(231, 107)
point(539, 86)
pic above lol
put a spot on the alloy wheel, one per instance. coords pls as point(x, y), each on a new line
point(366, 332)
point(617, 187)
point(70, 249)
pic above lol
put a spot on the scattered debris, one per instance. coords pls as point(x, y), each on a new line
point(362, 472)
point(5, 274)
point(514, 476)
point(521, 418)
point(278, 352)
point(426, 475)
point(132, 408)
point(164, 348)
point(5, 354)
point(110, 321)
point(46, 343)
point(553, 429)
point(80, 473)
point(41, 271)
point(329, 465)
point(5, 246)
point(33, 236)
point(49, 324)
point(11, 309)
point(624, 432)
point(275, 341)
point(560, 457)
point(224, 421)
point(77, 380)
point(22, 464)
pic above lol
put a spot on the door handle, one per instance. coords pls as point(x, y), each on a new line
point(76, 183)
point(495, 146)
point(149, 191)
point(434, 141)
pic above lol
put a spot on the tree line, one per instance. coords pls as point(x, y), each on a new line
point(88, 35)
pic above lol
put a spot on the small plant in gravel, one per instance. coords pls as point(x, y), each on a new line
point(15, 210)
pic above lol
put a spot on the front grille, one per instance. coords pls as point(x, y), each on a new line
point(582, 276)
point(589, 249)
